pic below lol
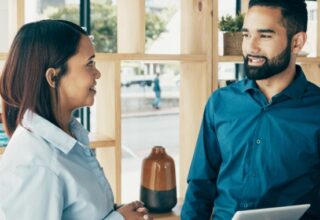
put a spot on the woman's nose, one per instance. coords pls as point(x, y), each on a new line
point(97, 74)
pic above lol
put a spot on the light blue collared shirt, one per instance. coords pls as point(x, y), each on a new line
point(47, 174)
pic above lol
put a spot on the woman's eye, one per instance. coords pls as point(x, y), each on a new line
point(91, 63)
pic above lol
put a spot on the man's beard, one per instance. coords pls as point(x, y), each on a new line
point(270, 67)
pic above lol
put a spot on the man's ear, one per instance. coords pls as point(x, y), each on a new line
point(298, 41)
point(51, 75)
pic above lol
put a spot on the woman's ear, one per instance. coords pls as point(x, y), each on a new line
point(51, 75)
point(298, 41)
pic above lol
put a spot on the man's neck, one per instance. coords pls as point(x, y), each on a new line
point(277, 83)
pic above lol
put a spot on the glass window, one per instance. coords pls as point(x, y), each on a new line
point(55, 9)
point(225, 8)
point(162, 26)
point(145, 123)
point(310, 49)
point(104, 25)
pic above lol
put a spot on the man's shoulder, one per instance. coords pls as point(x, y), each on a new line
point(228, 94)
point(235, 88)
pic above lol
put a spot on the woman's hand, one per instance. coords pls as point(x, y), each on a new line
point(134, 211)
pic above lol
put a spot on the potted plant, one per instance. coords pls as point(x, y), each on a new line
point(232, 36)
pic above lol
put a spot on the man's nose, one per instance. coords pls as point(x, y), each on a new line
point(253, 46)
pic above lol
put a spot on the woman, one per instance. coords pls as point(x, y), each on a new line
point(48, 170)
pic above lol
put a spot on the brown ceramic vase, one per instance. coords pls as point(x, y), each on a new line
point(158, 181)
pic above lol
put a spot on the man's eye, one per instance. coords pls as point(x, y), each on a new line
point(265, 36)
point(245, 35)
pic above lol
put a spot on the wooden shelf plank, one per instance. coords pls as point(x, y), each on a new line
point(97, 140)
point(232, 59)
point(154, 57)
point(239, 59)
point(309, 60)
point(3, 56)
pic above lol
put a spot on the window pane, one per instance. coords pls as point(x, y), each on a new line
point(104, 25)
point(55, 9)
point(226, 8)
point(162, 26)
point(145, 123)
point(310, 49)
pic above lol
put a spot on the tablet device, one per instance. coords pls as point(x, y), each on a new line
point(293, 212)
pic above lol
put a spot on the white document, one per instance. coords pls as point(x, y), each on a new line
point(293, 212)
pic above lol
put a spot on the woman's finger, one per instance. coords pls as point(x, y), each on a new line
point(142, 210)
point(137, 204)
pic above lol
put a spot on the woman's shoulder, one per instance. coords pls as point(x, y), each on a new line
point(26, 148)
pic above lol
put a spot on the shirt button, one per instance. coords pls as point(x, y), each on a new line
point(258, 141)
point(244, 205)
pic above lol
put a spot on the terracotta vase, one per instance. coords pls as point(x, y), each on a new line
point(158, 181)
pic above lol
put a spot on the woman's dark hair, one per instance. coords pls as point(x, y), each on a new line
point(294, 13)
point(23, 85)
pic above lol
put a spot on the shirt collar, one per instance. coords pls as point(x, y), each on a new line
point(294, 90)
point(298, 85)
point(249, 85)
point(51, 133)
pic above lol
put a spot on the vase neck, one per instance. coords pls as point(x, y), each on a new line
point(158, 150)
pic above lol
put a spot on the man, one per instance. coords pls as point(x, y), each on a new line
point(157, 92)
point(259, 142)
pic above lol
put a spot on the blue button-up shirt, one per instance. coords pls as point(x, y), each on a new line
point(46, 174)
point(252, 153)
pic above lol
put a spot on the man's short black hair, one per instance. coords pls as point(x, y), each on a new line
point(294, 13)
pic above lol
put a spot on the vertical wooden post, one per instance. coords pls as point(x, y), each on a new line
point(108, 116)
point(20, 13)
point(244, 6)
point(131, 26)
point(312, 71)
point(215, 42)
point(196, 77)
